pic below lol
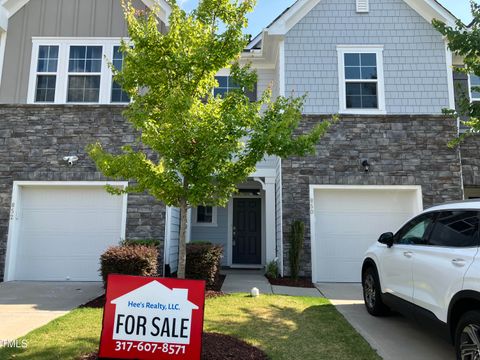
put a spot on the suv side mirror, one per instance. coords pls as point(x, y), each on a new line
point(386, 238)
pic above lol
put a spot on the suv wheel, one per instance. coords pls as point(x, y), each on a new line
point(467, 336)
point(372, 293)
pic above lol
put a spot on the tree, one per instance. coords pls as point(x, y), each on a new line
point(464, 40)
point(194, 148)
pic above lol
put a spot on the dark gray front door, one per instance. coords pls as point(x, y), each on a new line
point(247, 234)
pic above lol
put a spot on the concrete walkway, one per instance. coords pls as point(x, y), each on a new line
point(394, 337)
point(25, 306)
point(244, 280)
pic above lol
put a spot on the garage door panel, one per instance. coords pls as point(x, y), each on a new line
point(63, 230)
point(348, 221)
point(69, 221)
point(53, 269)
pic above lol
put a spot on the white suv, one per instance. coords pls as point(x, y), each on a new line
point(430, 270)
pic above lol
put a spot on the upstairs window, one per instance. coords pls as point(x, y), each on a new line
point(46, 78)
point(75, 71)
point(118, 95)
point(474, 86)
point(84, 74)
point(225, 85)
point(361, 80)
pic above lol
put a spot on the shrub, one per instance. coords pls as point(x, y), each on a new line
point(272, 269)
point(296, 244)
point(146, 242)
point(129, 260)
point(203, 262)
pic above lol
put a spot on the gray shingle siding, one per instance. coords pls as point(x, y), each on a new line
point(414, 55)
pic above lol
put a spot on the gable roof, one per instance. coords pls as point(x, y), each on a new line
point(8, 8)
point(428, 9)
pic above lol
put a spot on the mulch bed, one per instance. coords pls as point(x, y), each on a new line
point(213, 292)
point(217, 347)
point(287, 281)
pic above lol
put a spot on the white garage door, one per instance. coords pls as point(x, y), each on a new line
point(348, 220)
point(63, 230)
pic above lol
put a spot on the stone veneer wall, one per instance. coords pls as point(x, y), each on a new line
point(33, 141)
point(402, 150)
point(470, 150)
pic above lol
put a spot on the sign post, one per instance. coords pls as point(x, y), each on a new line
point(152, 318)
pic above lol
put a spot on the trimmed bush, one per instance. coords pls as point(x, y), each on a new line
point(137, 260)
point(146, 242)
point(296, 237)
point(271, 270)
point(203, 262)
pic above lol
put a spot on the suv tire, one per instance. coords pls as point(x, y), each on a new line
point(467, 336)
point(372, 293)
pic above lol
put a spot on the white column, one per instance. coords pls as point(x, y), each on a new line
point(270, 238)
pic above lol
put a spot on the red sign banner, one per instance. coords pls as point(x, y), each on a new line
point(152, 318)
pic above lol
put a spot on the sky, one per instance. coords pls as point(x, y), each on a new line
point(267, 10)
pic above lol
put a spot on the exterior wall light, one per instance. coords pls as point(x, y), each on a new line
point(366, 166)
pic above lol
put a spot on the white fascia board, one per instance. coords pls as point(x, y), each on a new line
point(3, 19)
point(431, 9)
point(164, 7)
point(292, 17)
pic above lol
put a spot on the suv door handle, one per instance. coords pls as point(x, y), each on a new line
point(408, 254)
point(458, 262)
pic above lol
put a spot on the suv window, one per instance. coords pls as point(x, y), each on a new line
point(456, 228)
point(416, 231)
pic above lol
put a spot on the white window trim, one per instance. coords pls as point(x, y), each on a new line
point(470, 95)
point(361, 49)
point(214, 218)
point(61, 88)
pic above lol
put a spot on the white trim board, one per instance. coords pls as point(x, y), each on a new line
point(416, 188)
point(14, 223)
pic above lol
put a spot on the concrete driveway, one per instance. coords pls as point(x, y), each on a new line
point(25, 305)
point(394, 337)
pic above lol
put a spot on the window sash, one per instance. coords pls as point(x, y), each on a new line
point(63, 74)
point(345, 62)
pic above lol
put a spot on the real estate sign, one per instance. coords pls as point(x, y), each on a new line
point(152, 318)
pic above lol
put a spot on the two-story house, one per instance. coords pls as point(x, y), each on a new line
point(378, 63)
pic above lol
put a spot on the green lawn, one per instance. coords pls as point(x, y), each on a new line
point(284, 327)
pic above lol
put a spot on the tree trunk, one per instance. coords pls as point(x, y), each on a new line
point(182, 241)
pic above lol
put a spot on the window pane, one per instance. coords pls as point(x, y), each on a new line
point(94, 52)
point(354, 102)
point(78, 52)
point(53, 52)
point(455, 229)
point(85, 59)
point(47, 59)
point(204, 214)
point(352, 72)
point(219, 91)
point(118, 95)
point(83, 88)
point(416, 231)
point(369, 89)
point(352, 59)
point(354, 89)
point(369, 73)
point(369, 102)
point(474, 80)
point(222, 81)
point(369, 59)
point(45, 91)
point(117, 54)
